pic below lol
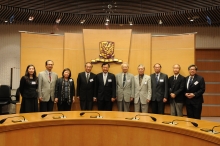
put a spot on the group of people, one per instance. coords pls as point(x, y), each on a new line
point(105, 88)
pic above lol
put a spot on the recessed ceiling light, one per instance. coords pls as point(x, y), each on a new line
point(31, 18)
point(58, 20)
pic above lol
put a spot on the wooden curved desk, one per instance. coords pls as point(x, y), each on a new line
point(112, 130)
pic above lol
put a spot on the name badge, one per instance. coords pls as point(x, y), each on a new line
point(128, 80)
point(91, 80)
point(33, 82)
point(196, 83)
point(109, 80)
point(70, 80)
point(161, 80)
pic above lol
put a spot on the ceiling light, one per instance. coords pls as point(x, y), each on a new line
point(58, 20)
point(130, 23)
point(31, 18)
point(107, 19)
point(106, 23)
point(82, 21)
point(6, 21)
point(160, 22)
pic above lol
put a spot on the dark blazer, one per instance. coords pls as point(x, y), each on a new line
point(107, 91)
point(86, 90)
point(28, 87)
point(160, 89)
point(58, 88)
point(178, 88)
point(197, 88)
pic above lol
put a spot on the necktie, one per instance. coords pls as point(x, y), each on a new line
point(140, 79)
point(87, 78)
point(174, 77)
point(157, 78)
point(50, 76)
point(124, 79)
point(104, 79)
point(190, 81)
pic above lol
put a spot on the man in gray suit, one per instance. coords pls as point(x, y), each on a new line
point(159, 84)
point(46, 87)
point(124, 88)
point(142, 90)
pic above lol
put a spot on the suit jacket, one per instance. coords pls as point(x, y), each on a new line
point(107, 91)
point(46, 88)
point(178, 88)
point(160, 89)
point(144, 91)
point(126, 91)
point(197, 88)
point(86, 91)
point(58, 89)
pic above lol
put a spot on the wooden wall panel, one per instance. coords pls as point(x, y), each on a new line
point(212, 88)
point(37, 48)
point(74, 58)
point(140, 53)
point(208, 65)
point(170, 50)
point(121, 38)
point(210, 76)
point(211, 99)
point(208, 62)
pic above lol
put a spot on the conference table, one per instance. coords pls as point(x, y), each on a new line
point(87, 128)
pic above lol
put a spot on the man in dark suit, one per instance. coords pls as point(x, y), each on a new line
point(159, 85)
point(195, 87)
point(177, 92)
point(105, 88)
point(86, 87)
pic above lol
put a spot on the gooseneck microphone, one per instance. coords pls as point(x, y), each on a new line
point(211, 130)
point(82, 113)
point(15, 121)
point(174, 123)
point(194, 123)
point(55, 117)
point(135, 118)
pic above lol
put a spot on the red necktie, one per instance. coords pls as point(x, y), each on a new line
point(50, 76)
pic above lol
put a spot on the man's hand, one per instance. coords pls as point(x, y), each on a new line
point(164, 100)
point(172, 95)
point(112, 99)
point(55, 100)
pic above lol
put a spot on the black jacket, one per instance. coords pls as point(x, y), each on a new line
point(58, 89)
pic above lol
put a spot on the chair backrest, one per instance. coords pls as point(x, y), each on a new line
point(5, 93)
point(17, 94)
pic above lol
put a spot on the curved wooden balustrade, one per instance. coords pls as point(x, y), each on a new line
point(112, 130)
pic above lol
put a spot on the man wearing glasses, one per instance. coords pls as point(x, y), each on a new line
point(46, 87)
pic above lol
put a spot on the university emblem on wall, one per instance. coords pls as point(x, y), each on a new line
point(107, 52)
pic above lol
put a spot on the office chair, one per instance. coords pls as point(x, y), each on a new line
point(5, 97)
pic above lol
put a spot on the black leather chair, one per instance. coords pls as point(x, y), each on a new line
point(5, 97)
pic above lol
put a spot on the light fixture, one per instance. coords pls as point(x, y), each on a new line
point(107, 20)
point(160, 22)
point(130, 23)
point(82, 21)
point(6, 21)
point(106, 23)
point(58, 20)
point(31, 18)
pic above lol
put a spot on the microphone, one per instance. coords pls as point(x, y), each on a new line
point(82, 113)
point(54, 117)
point(174, 123)
point(211, 130)
point(135, 118)
point(14, 121)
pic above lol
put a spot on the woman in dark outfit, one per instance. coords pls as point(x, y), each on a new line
point(28, 90)
point(64, 91)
